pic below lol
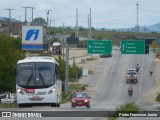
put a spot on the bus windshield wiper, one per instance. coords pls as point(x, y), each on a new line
point(29, 80)
point(42, 79)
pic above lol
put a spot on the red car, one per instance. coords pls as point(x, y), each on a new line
point(80, 99)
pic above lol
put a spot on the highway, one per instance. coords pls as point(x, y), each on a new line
point(112, 89)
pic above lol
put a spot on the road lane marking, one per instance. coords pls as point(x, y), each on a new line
point(141, 80)
point(105, 72)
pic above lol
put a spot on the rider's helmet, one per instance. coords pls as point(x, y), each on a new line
point(151, 70)
point(130, 88)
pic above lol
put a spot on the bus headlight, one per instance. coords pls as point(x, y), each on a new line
point(19, 90)
point(52, 90)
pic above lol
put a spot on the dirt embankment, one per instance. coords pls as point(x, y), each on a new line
point(76, 52)
point(90, 65)
point(151, 95)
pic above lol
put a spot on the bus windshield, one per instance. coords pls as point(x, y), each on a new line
point(35, 74)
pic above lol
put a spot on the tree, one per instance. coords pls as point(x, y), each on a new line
point(81, 28)
point(102, 29)
point(10, 53)
point(39, 21)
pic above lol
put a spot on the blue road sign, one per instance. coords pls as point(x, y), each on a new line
point(32, 38)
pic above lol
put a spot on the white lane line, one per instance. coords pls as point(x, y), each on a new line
point(141, 80)
point(105, 72)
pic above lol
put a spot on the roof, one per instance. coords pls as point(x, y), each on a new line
point(38, 59)
point(131, 69)
point(56, 44)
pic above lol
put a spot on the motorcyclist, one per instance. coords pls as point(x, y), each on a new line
point(137, 67)
point(151, 71)
point(130, 90)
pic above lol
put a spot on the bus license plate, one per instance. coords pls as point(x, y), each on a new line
point(30, 90)
point(36, 97)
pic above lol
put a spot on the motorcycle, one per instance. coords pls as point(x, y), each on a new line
point(151, 73)
point(137, 70)
point(130, 92)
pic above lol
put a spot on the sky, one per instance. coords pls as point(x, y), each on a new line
point(110, 14)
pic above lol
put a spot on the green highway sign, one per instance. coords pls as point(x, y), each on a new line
point(99, 47)
point(133, 47)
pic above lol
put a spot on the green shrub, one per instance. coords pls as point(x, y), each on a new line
point(73, 71)
point(158, 98)
point(124, 108)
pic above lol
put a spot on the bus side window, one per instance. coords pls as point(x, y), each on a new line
point(57, 71)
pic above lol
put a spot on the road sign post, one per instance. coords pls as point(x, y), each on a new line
point(132, 47)
point(99, 47)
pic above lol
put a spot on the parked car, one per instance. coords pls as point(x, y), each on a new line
point(105, 55)
point(80, 99)
point(7, 98)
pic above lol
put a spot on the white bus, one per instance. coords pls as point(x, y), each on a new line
point(38, 82)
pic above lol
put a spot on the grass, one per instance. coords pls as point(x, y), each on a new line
point(12, 105)
point(91, 59)
point(158, 108)
point(72, 87)
point(158, 98)
point(91, 72)
point(124, 108)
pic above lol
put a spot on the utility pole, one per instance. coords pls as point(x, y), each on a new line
point(63, 27)
point(54, 24)
point(76, 22)
point(90, 25)
point(144, 33)
point(9, 19)
point(63, 41)
point(88, 28)
point(32, 12)
point(47, 12)
point(67, 69)
point(25, 14)
point(19, 18)
point(137, 27)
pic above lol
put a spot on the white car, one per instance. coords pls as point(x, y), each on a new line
point(131, 76)
point(9, 98)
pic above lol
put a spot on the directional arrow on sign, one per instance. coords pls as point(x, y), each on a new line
point(123, 47)
point(90, 46)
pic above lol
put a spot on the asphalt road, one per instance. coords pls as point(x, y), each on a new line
point(113, 89)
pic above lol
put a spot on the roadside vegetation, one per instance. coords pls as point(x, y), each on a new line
point(91, 59)
point(113, 35)
point(158, 98)
point(10, 53)
point(12, 105)
point(129, 107)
